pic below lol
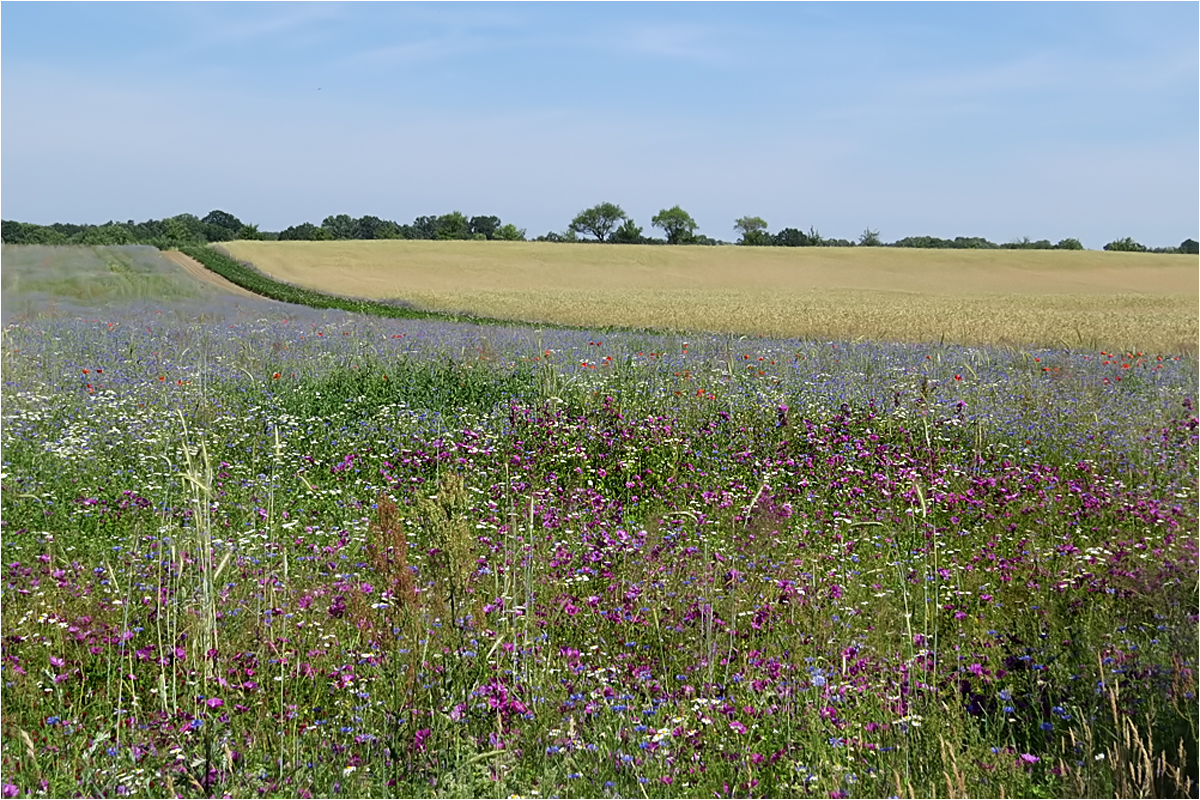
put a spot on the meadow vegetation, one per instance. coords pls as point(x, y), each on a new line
point(252, 548)
point(1077, 299)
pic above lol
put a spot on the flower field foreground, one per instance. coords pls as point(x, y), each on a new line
point(311, 555)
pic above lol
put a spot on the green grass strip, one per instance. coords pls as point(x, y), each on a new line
point(252, 280)
point(249, 278)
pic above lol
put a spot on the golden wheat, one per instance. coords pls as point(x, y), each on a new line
point(1054, 298)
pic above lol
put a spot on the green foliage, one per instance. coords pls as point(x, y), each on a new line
point(957, 243)
point(676, 223)
point(1126, 245)
point(112, 233)
point(510, 233)
point(870, 238)
point(629, 233)
point(753, 230)
point(1025, 243)
point(598, 221)
point(1189, 246)
point(341, 226)
point(554, 236)
point(1069, 244)
point(484, 227)
point(252, 280)
point(221, 226)
point(369, 227)
point(306, 232)
point(13, 232)
point(791, 237)
point(454, 225)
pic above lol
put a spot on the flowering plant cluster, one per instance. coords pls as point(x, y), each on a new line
point(270, 551)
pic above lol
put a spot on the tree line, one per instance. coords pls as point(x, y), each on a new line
point(605, 222)
point(608, 222)
point(221, 226)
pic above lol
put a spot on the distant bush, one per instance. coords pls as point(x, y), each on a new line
point(1025, 243)
point(957, 243)
point(791, 237)
point(1126, 245)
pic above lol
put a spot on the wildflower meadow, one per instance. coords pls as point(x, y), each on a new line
point(254, 549)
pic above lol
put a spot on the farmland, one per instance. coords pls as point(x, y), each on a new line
point(252, 548)
point(1095, 300)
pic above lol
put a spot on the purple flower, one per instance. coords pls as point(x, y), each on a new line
point(214, 702)
point(11, 790)
point(737, 727)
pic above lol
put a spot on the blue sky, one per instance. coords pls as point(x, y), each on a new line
point(1000, 120)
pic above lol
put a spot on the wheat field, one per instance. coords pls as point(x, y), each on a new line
point(1077, 299)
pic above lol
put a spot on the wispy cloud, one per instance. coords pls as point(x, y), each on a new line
point(675, 41)
point(267, 24)
point(433, 48)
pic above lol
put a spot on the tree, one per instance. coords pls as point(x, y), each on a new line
point(222, 226)
point(249, 232)
point(304, 232)
point(423, 228)
point(1126, 245)
point(109, 233)
point(28, 233)
point(509, 233)
point(870, 238)
point(484, 225)
point(369, 227)
point(598, 221)
point(676, 223)
point(341, 226)
point(790, 237)
point(975, 243)
point(754, 230)
point(1189, 246)
point(454, 225)
point(554, 236)
point(1069, 244)
point(185, 228)
point(628, 233)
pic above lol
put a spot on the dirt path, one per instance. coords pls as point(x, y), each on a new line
point(201, 272)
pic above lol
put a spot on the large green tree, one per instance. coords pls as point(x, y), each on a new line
point(598, 221)
point(221, 226)
point(340, 226)
point(454, 225)
point(485, 226)
point(753, 230)
point(676, 223)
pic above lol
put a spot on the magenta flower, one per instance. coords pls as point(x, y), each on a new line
point(737, 727)
point(214, 702)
